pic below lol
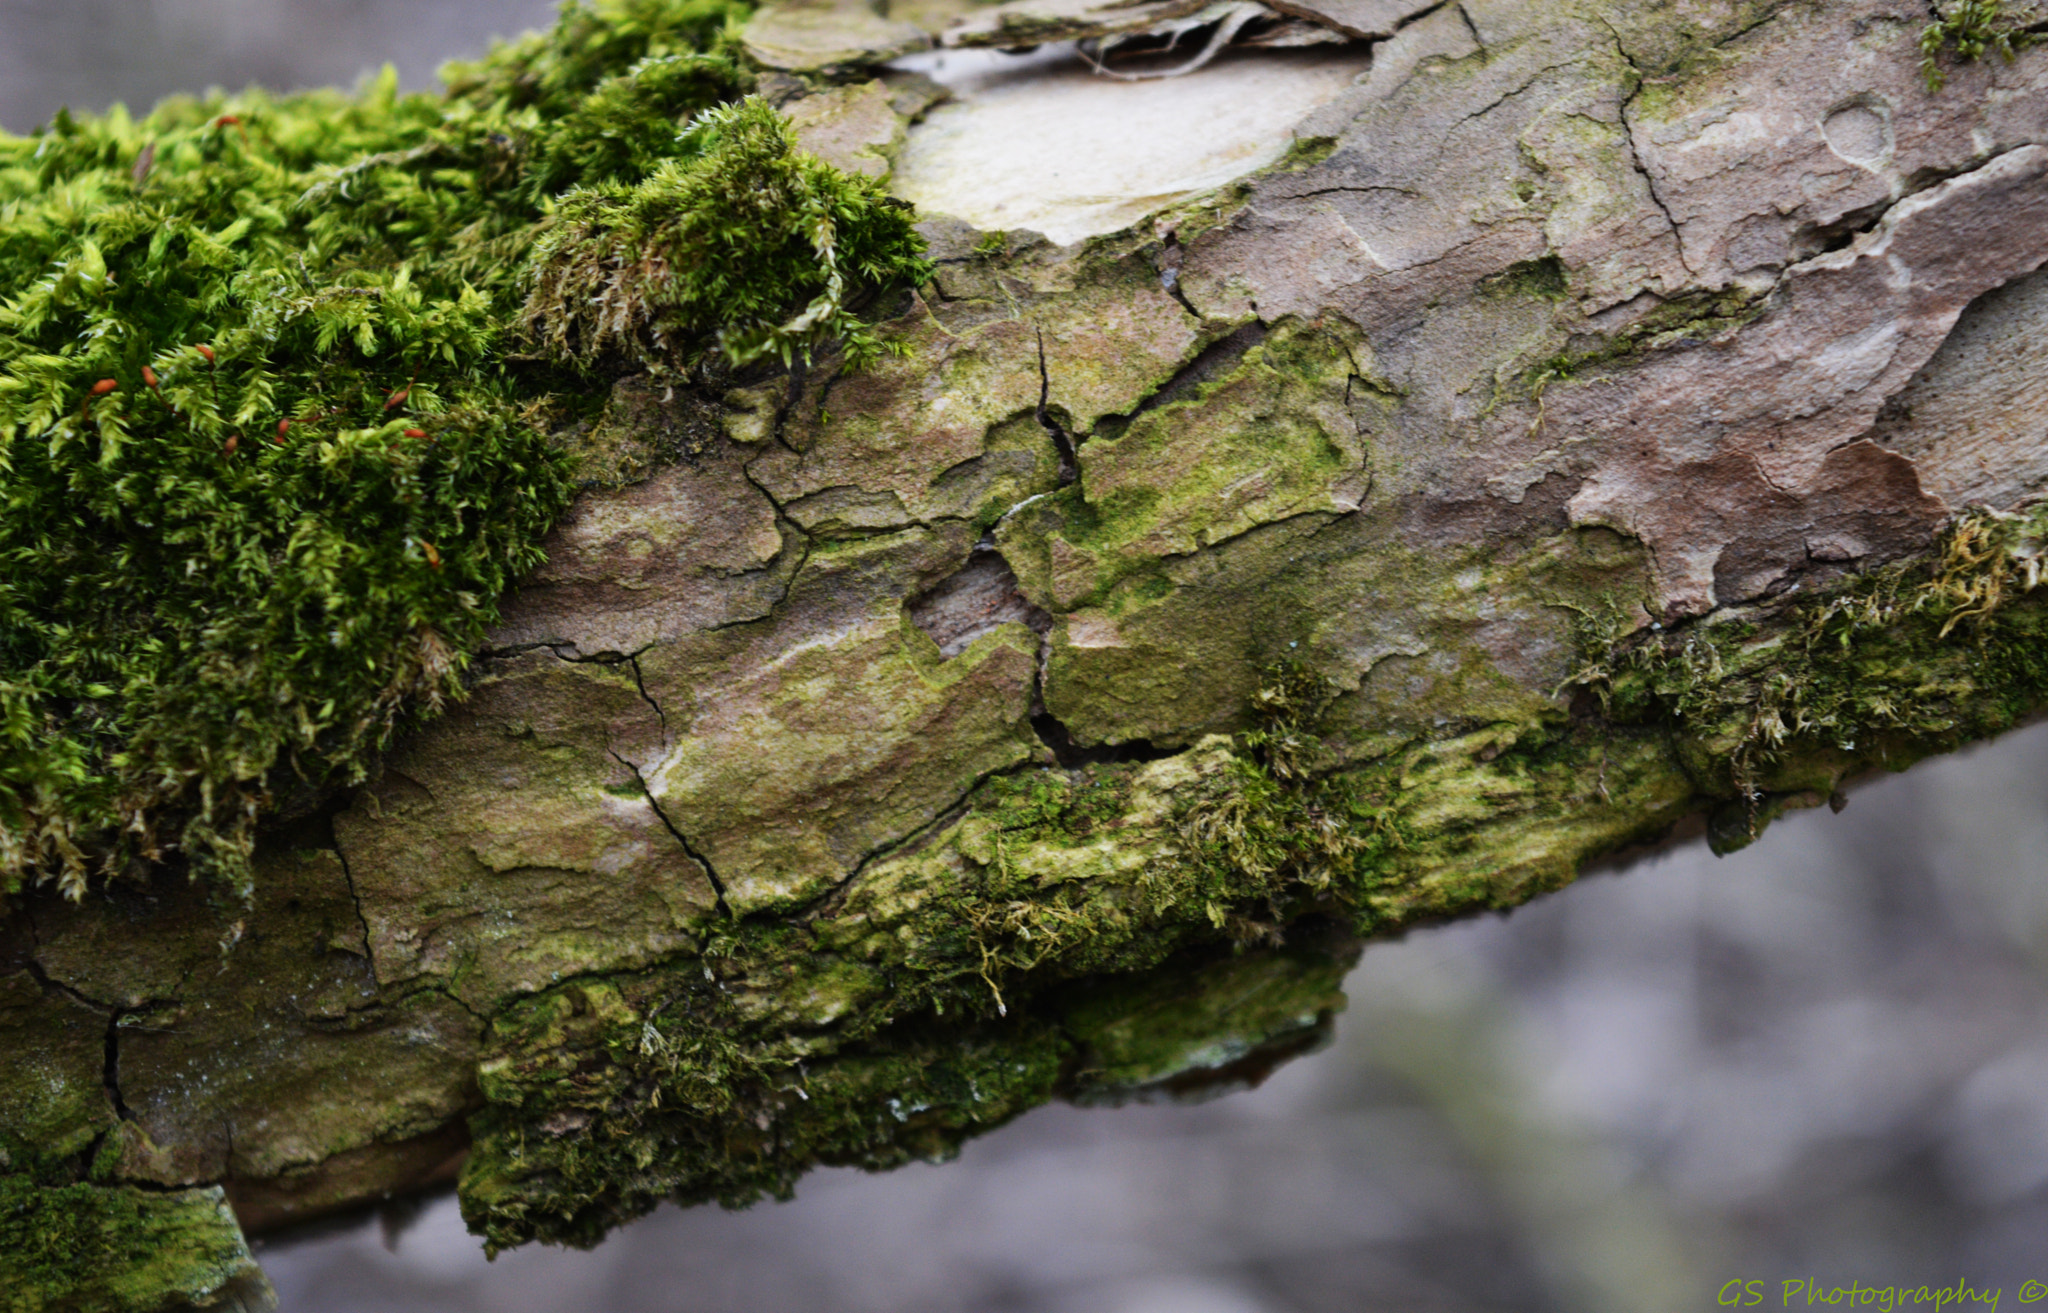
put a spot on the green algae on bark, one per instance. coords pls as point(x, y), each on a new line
point(268, 446)
point(571, 1148)
point(87, 1248)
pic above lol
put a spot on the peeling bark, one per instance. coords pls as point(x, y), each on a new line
point(1379, 536)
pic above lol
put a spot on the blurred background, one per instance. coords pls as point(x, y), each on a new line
point(87, 54)
point(1822, 1058)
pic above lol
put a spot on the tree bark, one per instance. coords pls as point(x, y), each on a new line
point(1602, 422)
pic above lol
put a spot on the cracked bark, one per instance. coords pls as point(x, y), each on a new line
point(710, 871)
point(748, 820)
point(1070, 461)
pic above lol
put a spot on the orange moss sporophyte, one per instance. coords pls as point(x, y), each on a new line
point(189, 620)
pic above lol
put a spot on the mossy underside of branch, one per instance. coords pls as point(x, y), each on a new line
point(947, 987)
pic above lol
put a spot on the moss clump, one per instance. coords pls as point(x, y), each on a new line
point(85, 1248)
point(1968, 30)
point(578, 1163)
point(554, 73)
point(720, 245)
point(1053, 805)
point(1543, 279)
point(1890, 665)
point(609, 1097)
point(1284, 826)
point(269, 446)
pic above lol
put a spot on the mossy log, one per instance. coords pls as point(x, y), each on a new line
point(1583, 425)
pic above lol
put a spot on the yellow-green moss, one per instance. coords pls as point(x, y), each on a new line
point(272, 436)
point(1887, 667)
point(89, 1248)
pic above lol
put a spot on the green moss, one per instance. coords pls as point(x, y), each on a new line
point(848, 1038)
point(1542, 278)
point(1303, 153)
point(625, 127)
point(1890, 666)
point(690, 1101)
point(551, 73)
point(1062, 806)
point(886, 1027)
point(1686, 318)
point(914, 1095)
point(938, 996)
point(87, 1248)
point(720, 245)
point(272, 436)
point(1967, 30)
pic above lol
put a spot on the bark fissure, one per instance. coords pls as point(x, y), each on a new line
point(1073, 754)
point(1635, 156)
point(1523, 89)
point(48, 981)
point(1210, 364)
point(1472, 29)
point(909, 843)
point(710, 872)
point(1070, 461)
point(356, 901)
point(111, 1070)
point(640, 683)
point(110, 1063)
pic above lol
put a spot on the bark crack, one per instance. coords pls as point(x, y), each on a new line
point(911, 840)
point(710, 872)
point(1772, 483)
point(1070, 461)
point(640, 682)
point(1170, 280)
point(110, 1072)
point(356, 899)
point(799, 371)
point(110, 1063)
point(1498, 101)
point(457, 999)
point(1353, 190)
point(1769, 16)
point(1635, 156)
point(1072, 754)
point(1170, 260)
point(1471, 29)
point(1068, 751)
point(111, 1068)
point(747, 473)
